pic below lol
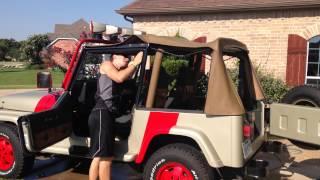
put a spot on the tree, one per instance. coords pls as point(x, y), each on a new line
point(33, 46)
point(9, 49)
point(4, 49)
point(14, 49)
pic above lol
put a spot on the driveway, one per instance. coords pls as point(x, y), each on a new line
point(292, 163)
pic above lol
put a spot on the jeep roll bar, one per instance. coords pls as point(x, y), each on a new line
point(75, 57)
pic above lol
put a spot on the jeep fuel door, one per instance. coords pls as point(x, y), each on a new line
point(40, 130)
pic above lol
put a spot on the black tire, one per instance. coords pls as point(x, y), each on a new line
point(303, 95)
point(22, 162)
point(179, 155)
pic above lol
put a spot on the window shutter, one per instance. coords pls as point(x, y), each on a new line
point(296, 60)
point(202, 39)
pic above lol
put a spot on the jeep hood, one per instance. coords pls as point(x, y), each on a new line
point(25, 101)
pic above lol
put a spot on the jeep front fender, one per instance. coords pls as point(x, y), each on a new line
point(202, 140)
point(11, 116)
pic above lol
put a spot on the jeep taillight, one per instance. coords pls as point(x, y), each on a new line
point(247, 131)
point(249, 126)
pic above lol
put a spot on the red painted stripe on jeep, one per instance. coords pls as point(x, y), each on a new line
point(45, 103)
point(158, 123)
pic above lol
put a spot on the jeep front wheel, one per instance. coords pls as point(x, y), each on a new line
point(13, 162)
point(178, 161)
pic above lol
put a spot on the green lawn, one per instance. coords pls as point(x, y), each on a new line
point(22, 78)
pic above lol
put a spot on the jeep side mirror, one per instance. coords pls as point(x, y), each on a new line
point(44, 80)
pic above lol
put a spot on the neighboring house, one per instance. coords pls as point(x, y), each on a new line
point(283, 36)
point(59, 52)
point(64, 41)
point(75, 30)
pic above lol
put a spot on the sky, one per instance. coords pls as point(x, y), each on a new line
point(19, 19)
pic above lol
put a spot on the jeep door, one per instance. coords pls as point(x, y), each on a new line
point(40, 130)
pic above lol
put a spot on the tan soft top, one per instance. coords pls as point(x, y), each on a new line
point(222, 97)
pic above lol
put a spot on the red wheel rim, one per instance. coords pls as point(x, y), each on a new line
point(6, 154)
point(174, 171)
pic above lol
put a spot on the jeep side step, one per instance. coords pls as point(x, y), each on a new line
point(79, 151)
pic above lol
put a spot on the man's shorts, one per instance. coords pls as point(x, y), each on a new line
point(101, 131)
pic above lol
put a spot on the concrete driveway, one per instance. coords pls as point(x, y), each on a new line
point(292, 163)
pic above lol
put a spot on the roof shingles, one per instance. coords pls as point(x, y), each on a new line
point(142, 7)
point(73, 30)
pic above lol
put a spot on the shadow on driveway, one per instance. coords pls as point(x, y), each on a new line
point(64, 167)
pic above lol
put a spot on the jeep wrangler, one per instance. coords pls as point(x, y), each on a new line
point(180, 116)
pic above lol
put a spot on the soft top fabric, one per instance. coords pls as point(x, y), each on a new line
point(222, 97)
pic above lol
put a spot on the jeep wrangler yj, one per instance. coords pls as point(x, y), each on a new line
point(180, 116)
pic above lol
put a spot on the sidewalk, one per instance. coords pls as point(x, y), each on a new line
point(4, 92)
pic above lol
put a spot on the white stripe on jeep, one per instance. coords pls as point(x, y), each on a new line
point(99, 136)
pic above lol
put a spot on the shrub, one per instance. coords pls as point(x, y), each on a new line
point(36, 66)
point(58, 69)
point(172, 65)
point(170, 68)
point(202, 85)
point(273, 88)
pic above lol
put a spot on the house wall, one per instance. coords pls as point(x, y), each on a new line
point(265, 32)
point(61, 52)
point(66, 45)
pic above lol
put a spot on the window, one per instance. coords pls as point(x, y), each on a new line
point(85, 87)
point(237, 68)
point(182, 82)
point(90, 65)
point(313, 64)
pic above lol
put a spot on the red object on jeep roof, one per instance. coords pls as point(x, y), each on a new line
point(6, 154)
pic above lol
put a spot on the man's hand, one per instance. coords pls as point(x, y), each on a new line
point(120, 76)
point(138, 58)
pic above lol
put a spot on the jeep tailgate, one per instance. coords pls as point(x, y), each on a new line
point(294, 122)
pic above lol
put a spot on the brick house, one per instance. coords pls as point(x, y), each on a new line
point(283, 36)
point(64, 41)
point(59, 52)
point(76, 30)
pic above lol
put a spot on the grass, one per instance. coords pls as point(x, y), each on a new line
point(25, 79)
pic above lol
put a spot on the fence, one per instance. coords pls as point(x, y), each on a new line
point(5, 64)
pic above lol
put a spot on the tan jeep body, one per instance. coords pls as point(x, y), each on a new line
point(217, 130)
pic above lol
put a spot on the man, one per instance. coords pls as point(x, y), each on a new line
point(112, 72)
